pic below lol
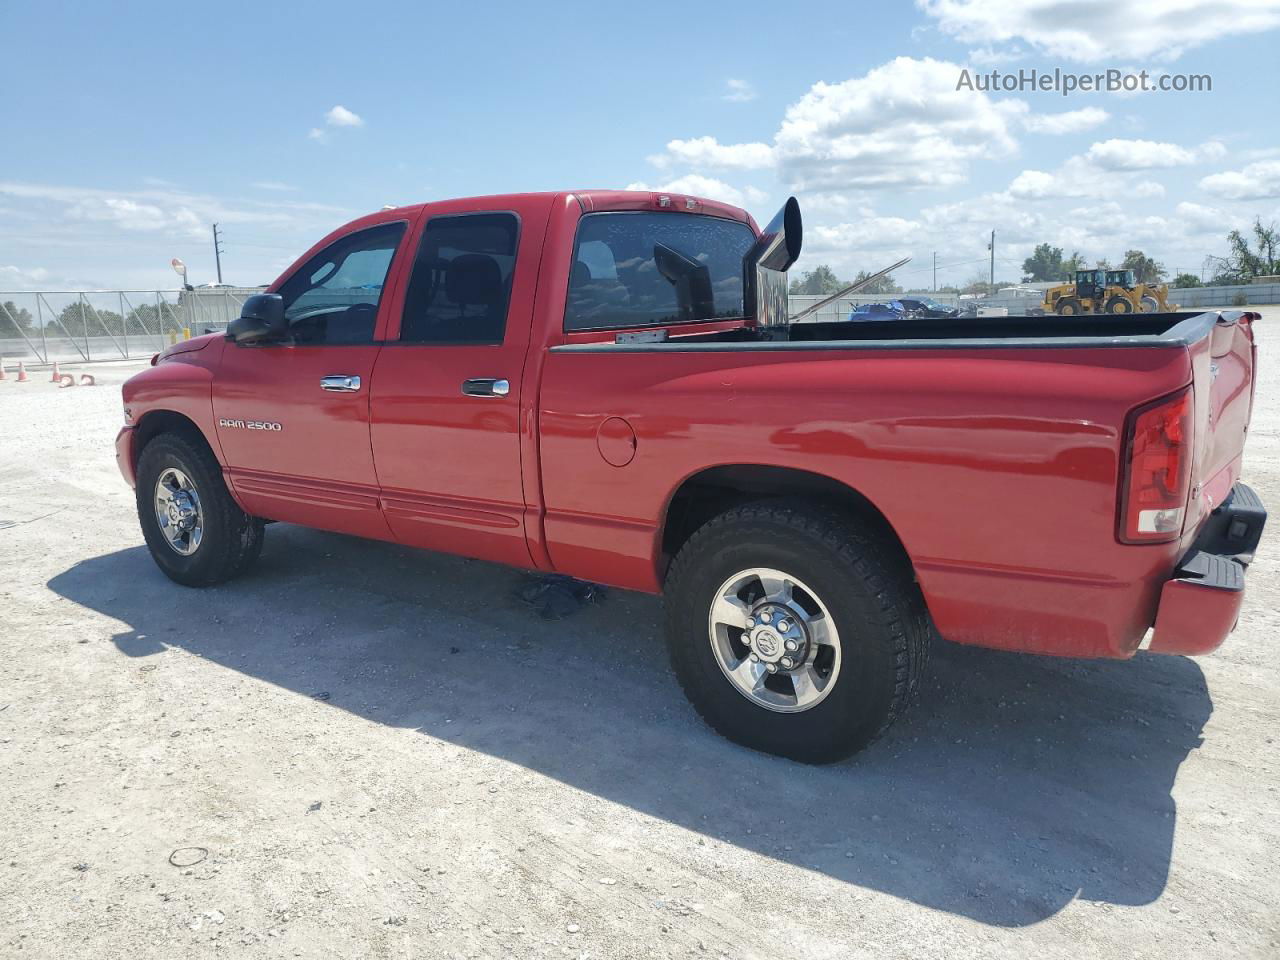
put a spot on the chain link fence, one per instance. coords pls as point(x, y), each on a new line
point(48, 325)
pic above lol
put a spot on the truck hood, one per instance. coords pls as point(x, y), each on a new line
point(186, 346)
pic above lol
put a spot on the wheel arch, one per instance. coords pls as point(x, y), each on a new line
point(710, 491)
point(156, 422)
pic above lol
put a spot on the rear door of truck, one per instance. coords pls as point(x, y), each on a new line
point(445, 403)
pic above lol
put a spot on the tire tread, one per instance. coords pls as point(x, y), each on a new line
point(880, 564)
point(233, 538)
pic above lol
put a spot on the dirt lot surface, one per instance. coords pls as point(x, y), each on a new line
point(368, 751)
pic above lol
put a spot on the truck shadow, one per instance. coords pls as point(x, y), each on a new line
point(1015, 785)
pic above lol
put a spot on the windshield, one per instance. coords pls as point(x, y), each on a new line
point(641, 269)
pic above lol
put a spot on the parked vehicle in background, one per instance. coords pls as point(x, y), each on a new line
point(865, 312)
point(903, 308)
point(605, 385)
point(928, 308)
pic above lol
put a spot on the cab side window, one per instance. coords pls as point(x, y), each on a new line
point(461, 283)
point(333, 298)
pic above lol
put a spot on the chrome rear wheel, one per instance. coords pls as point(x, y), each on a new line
point(774, 639)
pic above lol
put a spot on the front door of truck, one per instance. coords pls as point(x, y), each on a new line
point(446, 401)
point(293, 414)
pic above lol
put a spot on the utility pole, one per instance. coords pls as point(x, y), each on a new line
point(935, 271)
point(993, 264)
point(217, 252)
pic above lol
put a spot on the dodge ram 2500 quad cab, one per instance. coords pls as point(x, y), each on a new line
point(605, 384)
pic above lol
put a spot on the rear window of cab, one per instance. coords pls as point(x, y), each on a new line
point(637, 269)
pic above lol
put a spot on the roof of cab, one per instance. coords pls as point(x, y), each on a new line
point(594, 201)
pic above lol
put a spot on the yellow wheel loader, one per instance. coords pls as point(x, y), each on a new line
point(1107, 291)
point(1149, 297)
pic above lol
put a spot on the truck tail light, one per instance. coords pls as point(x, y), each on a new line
point(1156, 470)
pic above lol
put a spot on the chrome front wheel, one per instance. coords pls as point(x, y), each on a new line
point(178, 511)
point(774, 639)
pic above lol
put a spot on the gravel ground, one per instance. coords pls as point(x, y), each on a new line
point(363, 750)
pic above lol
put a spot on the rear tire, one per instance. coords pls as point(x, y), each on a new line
point(218, 541)
point(838, 575)
point(1068, 307)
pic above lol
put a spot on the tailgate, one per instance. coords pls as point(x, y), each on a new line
point(1223, 370)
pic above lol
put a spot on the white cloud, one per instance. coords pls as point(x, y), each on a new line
point(1149, 154)
point(871, 233)
point(707, 152)
point(17, 278)
point(738, 91)
point(1256, 181)
point(1199, 217)
point(903, 124)
point(1093, 32)
point(1075, 178)
point(337, 116)
point(1072, 121)
point(696, 185)
point(1110, 166)
point(340, 116)
point(162, 212)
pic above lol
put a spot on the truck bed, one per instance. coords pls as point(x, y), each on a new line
point(994, 448)
point(1133, 330)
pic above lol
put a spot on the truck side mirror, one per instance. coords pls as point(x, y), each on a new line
point(261, 317)
point(764, 268)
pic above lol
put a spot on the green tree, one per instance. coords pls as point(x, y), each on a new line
point(75, 317)
point(1046, 264)
point(1145, 269)
point(1187, 280)
point(821, 280)
point(11, 314)
point(1245, 263)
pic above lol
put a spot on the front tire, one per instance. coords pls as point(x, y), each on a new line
point(794, 631)
point(197, 534)
point(1119, 304)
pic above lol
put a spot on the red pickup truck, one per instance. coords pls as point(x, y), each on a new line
point(605, 384)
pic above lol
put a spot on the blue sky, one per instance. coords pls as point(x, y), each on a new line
point(131, 130)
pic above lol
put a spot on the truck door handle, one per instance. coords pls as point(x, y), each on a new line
point(486, 387)
point(341, 383)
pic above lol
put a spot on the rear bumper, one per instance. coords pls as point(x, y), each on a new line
point(124, 454)
point(1200, 605)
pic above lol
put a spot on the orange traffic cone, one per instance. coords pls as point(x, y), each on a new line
point(67, 380)
point(22, 372)
point(86, 380)
point(3, 375)
point(57, 374)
